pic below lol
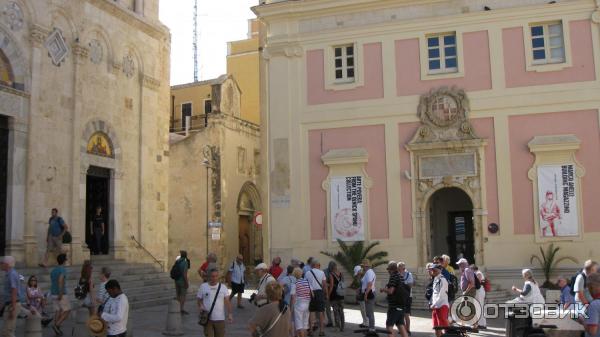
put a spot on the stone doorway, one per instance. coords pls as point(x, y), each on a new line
point(3, 181)
point(451, 224)
point(97, 194)
point(250, 235)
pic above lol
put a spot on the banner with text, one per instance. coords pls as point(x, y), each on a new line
point(557, 197)
point(347, 208)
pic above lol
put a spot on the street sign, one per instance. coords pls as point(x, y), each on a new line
point(216, 233)
point(215, 225)
point(258, 218)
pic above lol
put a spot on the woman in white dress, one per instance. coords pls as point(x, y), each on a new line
point(480, 296)
point(531, 291)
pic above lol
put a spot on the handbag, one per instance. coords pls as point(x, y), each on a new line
point(67, 238)
point(340, 289)
point(204, 316)
point(259, 333)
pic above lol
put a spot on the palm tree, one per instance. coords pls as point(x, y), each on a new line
point(548, 262)
point(352, 255)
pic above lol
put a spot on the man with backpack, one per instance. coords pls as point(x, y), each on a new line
point(579, 282)
point(179, 273)
point(398, 294)
point(408, 279)
point(54, 237)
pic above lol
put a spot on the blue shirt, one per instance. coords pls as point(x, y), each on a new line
point(11, 281)
point(56, 226)
point(565, 295)
point(593, 312)
point(54, 276)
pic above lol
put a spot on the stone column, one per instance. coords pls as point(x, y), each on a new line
point(138, 7)
point(116, 239)
point(17, 159)
point(79, 251)
point(37, 36)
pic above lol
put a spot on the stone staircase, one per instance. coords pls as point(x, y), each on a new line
point(144, 283)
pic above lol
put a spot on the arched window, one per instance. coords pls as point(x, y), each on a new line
point(6, 75)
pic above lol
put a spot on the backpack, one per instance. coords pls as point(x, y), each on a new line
point(574, 278)
point(81, 290)
point(452, 287)
point(176, 271)
point(340, 288)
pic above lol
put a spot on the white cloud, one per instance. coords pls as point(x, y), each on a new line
point(219, 21)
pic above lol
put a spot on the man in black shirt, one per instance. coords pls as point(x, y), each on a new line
point(397, 297)
point(97, 230)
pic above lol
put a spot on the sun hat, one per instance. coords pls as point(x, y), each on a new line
point(357, 270)
point(262, 266)
point(97, 326)
point(461, 261)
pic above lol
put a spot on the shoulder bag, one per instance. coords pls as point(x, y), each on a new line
point(204, 316)
point(259, 333)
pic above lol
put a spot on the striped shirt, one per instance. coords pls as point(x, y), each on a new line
point(301, 289)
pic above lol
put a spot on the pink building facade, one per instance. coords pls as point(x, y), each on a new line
point(433, 128)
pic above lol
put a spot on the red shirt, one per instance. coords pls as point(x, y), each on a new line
point(275, 271)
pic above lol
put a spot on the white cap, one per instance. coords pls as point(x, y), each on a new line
point(357, 270)
point(461, 261)
point(262, 266)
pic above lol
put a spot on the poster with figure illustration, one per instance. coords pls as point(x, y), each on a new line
point(347, 208)
point(557, 197)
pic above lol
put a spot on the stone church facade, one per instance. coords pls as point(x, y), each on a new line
point(84, 115)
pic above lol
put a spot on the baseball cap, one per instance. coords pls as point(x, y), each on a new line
point(262, 266)
point(434, 266)
point(461, 261)
point(357, 270)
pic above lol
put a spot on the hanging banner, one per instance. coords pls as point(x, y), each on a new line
point(347, 208)
point(557, 197)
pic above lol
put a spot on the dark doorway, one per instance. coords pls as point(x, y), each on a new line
point(452, 231)
point(97, 194)
point(3, 180)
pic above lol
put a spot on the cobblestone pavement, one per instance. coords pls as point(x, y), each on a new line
point(151, 322)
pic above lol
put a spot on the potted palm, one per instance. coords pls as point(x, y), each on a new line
point(352, 255)
point(548, 261)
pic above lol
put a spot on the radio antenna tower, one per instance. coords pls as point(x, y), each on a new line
point(195, 42)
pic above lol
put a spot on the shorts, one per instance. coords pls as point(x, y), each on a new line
point(301, 314)
point(408, 306)
point(237, 288)
point(440, 316)
point(63, 305)
point(54, 244)
point(395, 316)
point(317, 303)
point(180, 289)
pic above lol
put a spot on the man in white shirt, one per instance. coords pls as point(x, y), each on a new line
point(236, 279)
point(318, 285)
point(116, 310)
point(260, 297)
point(582, 294)
point(439, 299)
point(367, 290)
point(213, 291)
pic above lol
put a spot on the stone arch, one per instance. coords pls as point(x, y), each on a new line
point(69, 32)
point(29, 14)
point(130, 49)
point(427, 195)
point(15, 58)
point(98, 125)
point(249, 192)
point(97, 31)
point(6, 74)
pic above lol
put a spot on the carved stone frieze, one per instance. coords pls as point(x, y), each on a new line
point(150, 82)
point(57, 47)
point(12, 14)
point(38, 34)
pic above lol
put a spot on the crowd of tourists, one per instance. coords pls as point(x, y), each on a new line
point(106, 303)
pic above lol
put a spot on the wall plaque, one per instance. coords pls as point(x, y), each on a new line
point(447, 165)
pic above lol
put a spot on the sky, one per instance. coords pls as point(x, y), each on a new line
point(219, 21)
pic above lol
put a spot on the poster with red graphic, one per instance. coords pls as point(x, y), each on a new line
point(347, 208)
point(557, 197)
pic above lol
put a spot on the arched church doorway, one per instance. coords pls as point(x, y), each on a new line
point(97, 196)
point(451, 221)
point(3, 181)
point(250, 236)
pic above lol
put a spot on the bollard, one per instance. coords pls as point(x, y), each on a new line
point(33, 326)
point(82, 315)
point(173, 320)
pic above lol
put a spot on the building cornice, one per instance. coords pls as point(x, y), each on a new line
point(152, 28)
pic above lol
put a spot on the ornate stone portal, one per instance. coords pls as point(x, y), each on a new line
point(445, 152)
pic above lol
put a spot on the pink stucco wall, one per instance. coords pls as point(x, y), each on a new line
point(581, 52)
point(477, 66)
point(583, 124)
point(484, 128)
point(373, 78)
point(371, 138)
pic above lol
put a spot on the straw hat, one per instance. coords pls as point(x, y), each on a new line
point(97, 326)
